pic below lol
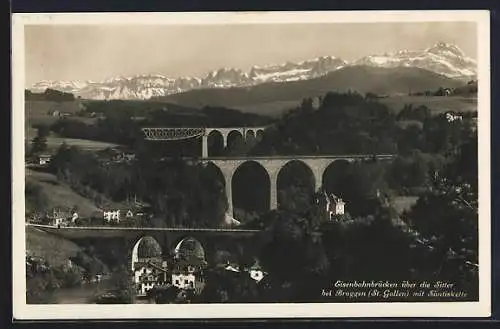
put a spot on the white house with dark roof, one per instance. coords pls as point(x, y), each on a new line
point(44, 159)
point(332, 204)
point(256, 272)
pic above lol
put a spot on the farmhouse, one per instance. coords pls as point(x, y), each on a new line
point(450, 117)
point(149, 273)
point(256, 272)
point(112, 216)
point(188, 274)
point(44, 159)
point(117, 215)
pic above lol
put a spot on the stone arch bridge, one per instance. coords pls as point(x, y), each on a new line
point(273, 165)
point(317, 164)
point(127, 238)
point(181, 133)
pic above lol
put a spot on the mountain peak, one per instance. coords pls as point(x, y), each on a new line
point(445, 48)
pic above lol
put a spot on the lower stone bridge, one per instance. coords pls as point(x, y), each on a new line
point(127, 239)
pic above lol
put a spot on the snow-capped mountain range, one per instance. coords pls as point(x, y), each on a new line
point(443, 58)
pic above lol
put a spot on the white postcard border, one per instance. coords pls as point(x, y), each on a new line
point(22, 311)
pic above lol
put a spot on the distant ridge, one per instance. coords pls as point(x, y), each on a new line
point(442, 58)
point(363, 79)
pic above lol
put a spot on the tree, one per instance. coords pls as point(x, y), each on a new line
point(446, 216)
point(39, 143)
point(36, 198)
point(122, 285)
point(290, 234)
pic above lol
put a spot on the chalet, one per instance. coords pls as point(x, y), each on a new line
point(188, 274)
point(125, 213)
point(148, 282)
point(44, 159)
point(256, 272)
point(332, 205)
point(59, 114)
point(150, 273)
point(183, 280)
point(451, 117)
point(62, 218)
point(112, 216)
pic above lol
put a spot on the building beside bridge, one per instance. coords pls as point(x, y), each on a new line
point(333, 205)
point(149, 273)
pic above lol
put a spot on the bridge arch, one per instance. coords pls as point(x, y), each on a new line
point(188, 247)
point(146, 247)
point(251, 188)
point(295, 174)
point(216, 142)
point(335, 176)
point(250, 138)
point(235, 141)
point(259, 134)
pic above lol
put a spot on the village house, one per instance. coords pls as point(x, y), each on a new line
point(256, 272)
point(148, 282)
point(188, 274)
point(183, 280)
point(112, 216)
point(332, 205)
point(62, 218)
point(118, 215)
point(56, 113)
point(44, 159)
point(149, 273)
point(450, 117)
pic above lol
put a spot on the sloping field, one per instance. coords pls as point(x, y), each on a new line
point(38, 112)
point(54, 142)
point(272, 109)
point(395, 103)
point(56, 250)
point(60, 195)
point(37, 108)
point(436, 103)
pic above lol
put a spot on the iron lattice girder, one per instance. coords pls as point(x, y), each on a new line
point(168, 134)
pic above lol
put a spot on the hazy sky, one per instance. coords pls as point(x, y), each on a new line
point(98, 52)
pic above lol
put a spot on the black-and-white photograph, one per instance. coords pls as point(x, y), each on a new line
point(243, 162)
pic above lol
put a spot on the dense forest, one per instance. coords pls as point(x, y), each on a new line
point(49, 95)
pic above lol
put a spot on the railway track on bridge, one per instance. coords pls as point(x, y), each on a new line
point(125, 228)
